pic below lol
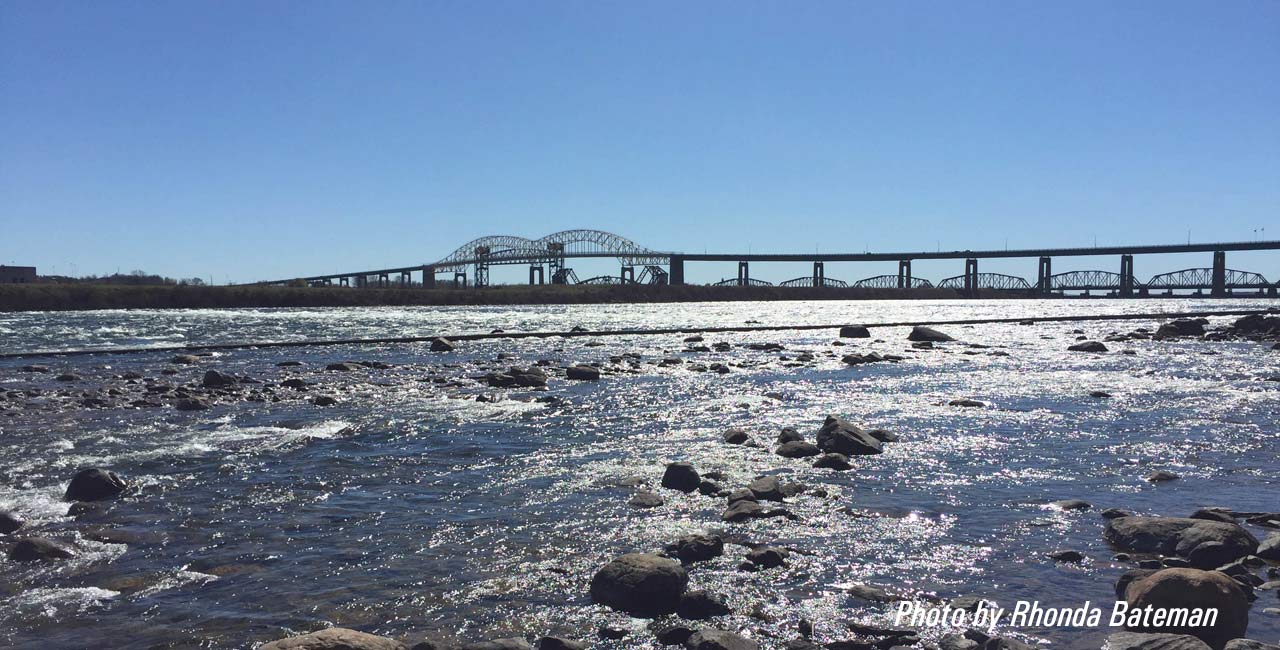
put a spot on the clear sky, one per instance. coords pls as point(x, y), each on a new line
point(254, 140)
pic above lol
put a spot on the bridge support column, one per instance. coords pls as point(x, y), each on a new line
point(384, 280)
point(1044, 277)
point(344, 281)
point(904, 274)
point(627, 275)
point(819, 275)
point(676, 270)
point(1219, 274)
point(536, 269)
point(1126, 276)
point(428, 277)
point(744, 275)
point(971, 277)
point(405, 278)
point(460, 279)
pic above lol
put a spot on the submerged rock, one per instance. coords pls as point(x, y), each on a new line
point(1088, 346)
point(94, 484)
point(335, 638)
point(1161, 476)
point(39, 549)
point(640, 584)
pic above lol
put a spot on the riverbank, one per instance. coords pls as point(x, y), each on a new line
point(75, 297)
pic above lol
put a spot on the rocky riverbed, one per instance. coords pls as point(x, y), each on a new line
point(720, 491)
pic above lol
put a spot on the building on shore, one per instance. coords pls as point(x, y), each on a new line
point(17, 274)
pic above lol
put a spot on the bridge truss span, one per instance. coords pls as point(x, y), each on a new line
point(1202, 278)
point(891, 282)
point(997, 281)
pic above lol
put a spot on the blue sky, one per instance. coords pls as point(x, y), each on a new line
point(250, 140)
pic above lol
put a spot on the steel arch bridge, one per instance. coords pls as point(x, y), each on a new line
point(751, 282)
point(1085, 281)
point(807, 281)
point(511, 249)
point(1202, 278)
point(891, 282)
point(998, 281)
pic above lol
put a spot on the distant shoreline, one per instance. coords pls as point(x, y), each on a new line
point(76, 297)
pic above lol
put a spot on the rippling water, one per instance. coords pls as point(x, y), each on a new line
point(411, 508)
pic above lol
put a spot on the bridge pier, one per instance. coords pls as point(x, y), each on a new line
point(1044, 276)
point(904, 274)
point(344, 281)
point(536, 269)
point(405, 279)
point(384, 280)
point(743, 274)
point(627, 275)
point(819, 275)
point(1219, 289)
point(971, 277)
point(428, 277)
point(460, 279)
point(1126, 276)
point(675, 267)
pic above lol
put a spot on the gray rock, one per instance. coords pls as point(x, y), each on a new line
point(1178, 536)
point(39, 549)
point(640, 584)
point(1249, 644)
point(719, 640)
point(1066, 556)
point(335, 638)
point(767, 488)
point(1193, 588)
point(697, 605)
point(697, 547)
point(967, 403)
point(682, 477)
point(742, 510)
point(854, 332)
point(9, 522)
point(645, 500)
point(1088, 346)
point(1161, 476)
point(736, 437)
point(673, 635)
point(922, 333)
point(185, 359)
point(1071, 504)
point(1141, 641)
point(768, 556)
point(215, 379)
point(841, 437)
point(1269, 549)
point(838, 462)
point(441, 344)
point(789, 434)
point(324, 400)
point(508, 643)
point(94, 484)
point(797, 449)
point(582, 373)
point(560, 643)
point(191, 404)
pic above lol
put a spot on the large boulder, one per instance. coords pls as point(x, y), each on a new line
point(1140, 641)
point(335, 638)
point(1250, 644)
point(36, 549)
point(797, 449)
point(582, 373)
point(682, 477)
point(922, 333)
point(1181, 536)
point(1194, 589)
point(767, 488)
point(640, 584)
point(838, 436)
point(441, 344)
point(1088, 346)
point(94, 484)
point(697, 605)
point(719, 640)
